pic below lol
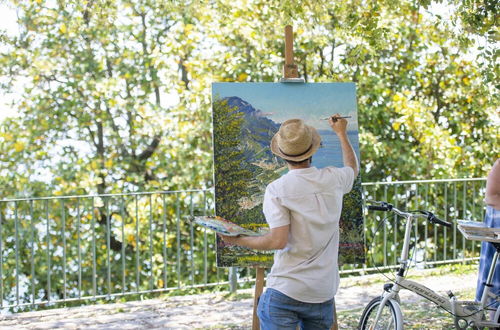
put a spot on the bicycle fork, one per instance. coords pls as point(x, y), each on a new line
point(392, 292)
point(386, 296)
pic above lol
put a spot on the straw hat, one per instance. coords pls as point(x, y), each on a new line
point(295, 141)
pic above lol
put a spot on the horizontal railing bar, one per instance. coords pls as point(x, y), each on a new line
point(420, 181)
point(24, 199)
point(120, 294)
point(208, 189)
point(362, 270)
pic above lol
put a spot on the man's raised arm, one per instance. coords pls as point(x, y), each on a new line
point(339, 126)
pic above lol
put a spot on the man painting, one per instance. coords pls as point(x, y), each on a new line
point(303, 210)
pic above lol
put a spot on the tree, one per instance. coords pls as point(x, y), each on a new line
point(96, 83)
point(114, 95)
point(425, 106)
point(95, 78)
point(91, 80)
point(229, 161)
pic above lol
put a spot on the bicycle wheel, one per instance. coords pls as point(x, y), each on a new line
point(390, 318)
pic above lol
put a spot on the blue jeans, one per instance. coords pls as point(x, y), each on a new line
point(278, 311)
point(492, 220)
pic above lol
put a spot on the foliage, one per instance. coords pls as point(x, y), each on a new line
point(113, 96)
point(94, 88)
point(351, 237)
point(92, 80)
point(54, 249)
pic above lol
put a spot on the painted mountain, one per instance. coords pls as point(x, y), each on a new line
point(256, 131)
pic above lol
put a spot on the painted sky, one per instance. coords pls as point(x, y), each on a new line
point(311, 102)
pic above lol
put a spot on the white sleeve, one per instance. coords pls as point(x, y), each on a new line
point(276, 214)
point(344, 177)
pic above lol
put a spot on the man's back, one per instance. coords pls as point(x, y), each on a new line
point(303, 210)
point(310, 201)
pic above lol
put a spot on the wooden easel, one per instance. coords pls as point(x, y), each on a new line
point(290, 75)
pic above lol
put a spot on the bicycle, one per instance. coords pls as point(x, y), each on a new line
point(384, 312)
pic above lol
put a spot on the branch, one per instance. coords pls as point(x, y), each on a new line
point(117, 131)
point(162, 32)
point(130, 120)
point(151, 148)
point(86, 14)
point(333, 51)
point(183, 70)
point(152, 70)
point(92, 136)
point(100, 138)
point(108, 67)
point(436, 92)
point(322, 57)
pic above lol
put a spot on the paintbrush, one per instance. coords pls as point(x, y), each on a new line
point(340, 117)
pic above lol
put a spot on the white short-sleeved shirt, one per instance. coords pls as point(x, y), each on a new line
point(310, 201)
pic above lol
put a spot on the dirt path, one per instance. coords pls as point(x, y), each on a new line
point(216, 310)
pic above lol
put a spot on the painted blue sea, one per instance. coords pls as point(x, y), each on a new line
point(330, 153)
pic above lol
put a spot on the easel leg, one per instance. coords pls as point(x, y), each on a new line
point(259, 287)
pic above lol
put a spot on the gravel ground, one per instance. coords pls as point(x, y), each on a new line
point(212, 311)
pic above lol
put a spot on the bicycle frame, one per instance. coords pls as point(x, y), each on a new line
point(471, 311)
point(393, 293)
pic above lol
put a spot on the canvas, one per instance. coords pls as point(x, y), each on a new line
point(245, 118)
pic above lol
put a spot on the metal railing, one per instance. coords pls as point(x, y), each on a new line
point(62, 249)
point(70, 248)
point(450, 200)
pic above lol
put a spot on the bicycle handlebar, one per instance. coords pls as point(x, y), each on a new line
point(387, 207)
point(383, 206)
point(377, 208)
point(432, 218)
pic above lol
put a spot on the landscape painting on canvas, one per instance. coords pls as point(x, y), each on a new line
point(245, 118)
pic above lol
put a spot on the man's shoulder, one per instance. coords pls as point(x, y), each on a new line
point(276, 183)
point(333, 169)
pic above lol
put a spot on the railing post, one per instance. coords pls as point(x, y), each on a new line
point(78, 223)
point(63, 230)
point(94, 265)
point(137, 278)
point(150, 232)
point(108, 247)
point(233, 279)
point(164, 244)
point(32, 255)
point(17, 253)
point(124, 242)
point(48, 251)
